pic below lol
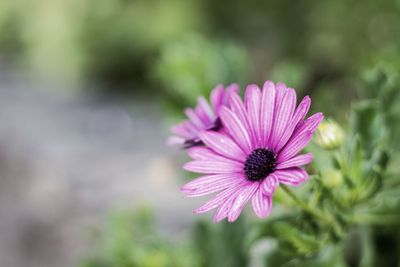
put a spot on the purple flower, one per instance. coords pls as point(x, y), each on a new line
point(203, 117)
point(257, 151)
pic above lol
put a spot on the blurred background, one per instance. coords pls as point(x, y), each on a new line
point(89, 89)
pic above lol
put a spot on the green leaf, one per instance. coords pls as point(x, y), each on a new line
point(303, 243)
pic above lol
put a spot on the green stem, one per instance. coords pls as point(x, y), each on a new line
point(314, 212)
point(302, 204)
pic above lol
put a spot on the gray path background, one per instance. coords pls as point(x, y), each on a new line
point(67, 160)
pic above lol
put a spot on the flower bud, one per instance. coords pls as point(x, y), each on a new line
point(332, 178)
point(329, 135)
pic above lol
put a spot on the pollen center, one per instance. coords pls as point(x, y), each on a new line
point(259, 164)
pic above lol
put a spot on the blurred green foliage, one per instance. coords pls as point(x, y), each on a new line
point(130, 240)
point(222, 244)
point(108, 41)
point(314, 46)
point(193, 66)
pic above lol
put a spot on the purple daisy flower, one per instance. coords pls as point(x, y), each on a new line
point(257, 151)
point(202, 118)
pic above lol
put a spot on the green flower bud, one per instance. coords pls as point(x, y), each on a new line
point(329, 135)
point(332, 178)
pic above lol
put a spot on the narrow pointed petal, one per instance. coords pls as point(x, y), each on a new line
point(203, 104)
point(229, 91)
point(175, 140)
point(191, 114)
point(213, 167)
point(280, 89)
point(267, 110)
point(203, 153)
point(253, 104)
point(209, 180)
point(292, 176)
point(269, 184)
point(203, 116)
point(262, 204)
point(191, 128)
point(237, 106)
point(217, 97)
point(301, 137)
point(299, 115)
point(223, 145)
point(309, 124)
point(183, 129)
point(236, 128)
point(240, 201)
point(283, 116)
point(213, 187)
point(223, 210)
point(294, 146)
point(297, 161)
point(219, 198)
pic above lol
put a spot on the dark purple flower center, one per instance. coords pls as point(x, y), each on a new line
point(259, 164)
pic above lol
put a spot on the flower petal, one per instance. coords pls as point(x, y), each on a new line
point(269, 184)
point(185, 129)
point(213, 186)
point(241, 201)
point(262, 204)
point(253, 104)
point(300, 138)
point(217, 97)
point(229, 91)
point(237, 106)
point(213, 167)
point(292, 176)
point(208, 180)
point(236, 128)
point(309, 124)
point(223, 145)
point(220, 198)
point(294, 146)
point(191, 114)
point(299, 115)
point(204, 110)
point(282, 117)
point(175, 140)
point(299, 160)
point(223, 210)
point(202, 153)
point(267, 110)
point(280, 89)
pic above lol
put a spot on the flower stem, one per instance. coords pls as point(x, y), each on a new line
point(314, 212)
